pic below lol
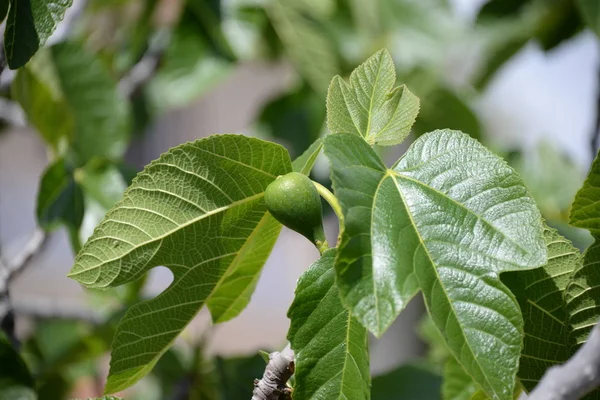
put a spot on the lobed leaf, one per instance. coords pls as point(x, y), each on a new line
point(447, 219)
point(369, 105)
point(199, 211)
point(332, 360)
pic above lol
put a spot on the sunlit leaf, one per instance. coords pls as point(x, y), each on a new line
point(332, 360)
point(199, 211)
point(447, 219)
point(28, 25)
point(369, 105)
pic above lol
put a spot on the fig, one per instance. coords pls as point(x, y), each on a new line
point(295, 202)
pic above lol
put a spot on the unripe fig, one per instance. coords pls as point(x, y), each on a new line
point(294, 201)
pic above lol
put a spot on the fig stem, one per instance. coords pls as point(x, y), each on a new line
point(333, 202)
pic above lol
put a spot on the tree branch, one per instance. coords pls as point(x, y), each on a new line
point(273, 385)
point(573, 379)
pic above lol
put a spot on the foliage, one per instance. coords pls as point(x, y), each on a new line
point(450, 219)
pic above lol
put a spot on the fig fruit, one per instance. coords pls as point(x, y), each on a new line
point(294, 201)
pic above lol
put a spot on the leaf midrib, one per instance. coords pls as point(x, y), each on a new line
point(172, 231)
point(422, 242)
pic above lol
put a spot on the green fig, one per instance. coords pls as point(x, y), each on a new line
point(294, 201)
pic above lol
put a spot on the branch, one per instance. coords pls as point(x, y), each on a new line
point(573, 379)
point(273, 385)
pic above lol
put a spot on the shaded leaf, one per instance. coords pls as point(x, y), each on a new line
point(305, 162)
point(237, 374)
point(590, 11)
point(369, 105)
point(447, 219)
point(199, 211)
point(305, 41)
point(3, 9)
point(408, 382)
point(100, 112)
point(189, 69)
point(15, 379)
point(540, 296)
point(444, 109)
point(29, 24)
point(332, 360)
point(585, 212)
point(60, 199)
point(39, 95)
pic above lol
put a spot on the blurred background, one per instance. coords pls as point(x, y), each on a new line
point(521, 76)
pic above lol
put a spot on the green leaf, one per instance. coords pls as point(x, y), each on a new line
point(306, 161)
point(540, 295)
point(444, 109)
point(458, 385)
point(585, 212)
point(305, 40)
point(29, 24)
point(188, 71)
point(39, 95)
point(590, 11)
point(15, 380)
point(447, 219)
point(199, 211)
point(369, 105)
point(582, 297)
point(100, 112)
point(408, 382)
point(103, 182)
point(60, 199)
point(332, 360)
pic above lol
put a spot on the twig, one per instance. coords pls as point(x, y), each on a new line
point(273, 385)
point(8, 272)
point(573, 379)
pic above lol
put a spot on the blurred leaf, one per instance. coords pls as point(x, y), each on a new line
point(332, 358)
point(562, 22)
point(305, 162)
point(54, 386)
point(212, 230)
point(16, 382)
point(370, 106)
point(296, 118)
point(458, 385)
point(440, 191)
point(590, 11)
point(60, 199)
point(501, 8)
point(45, 108)
point(28, 26)
point(444, 109)
point(103, 181)
point(551, 177)
point(540, 295)
point(310, 50)
point(101, 113)
point(265, 355)
point(408, 382)
point(107, 398)
point(189, 69)
point(437, 352)
point(237, 374)
point(207, 18)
